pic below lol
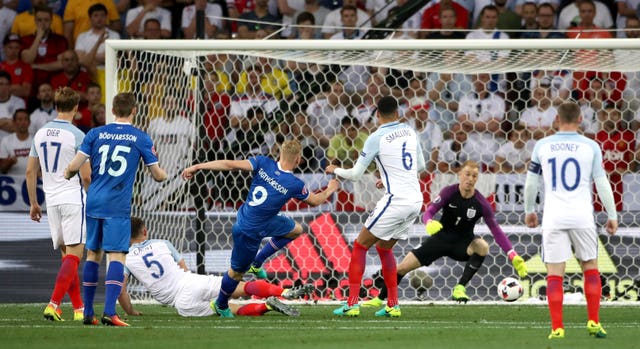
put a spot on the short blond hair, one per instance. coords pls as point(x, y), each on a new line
point(471, 164)
point(291, 149)
point(66, 99)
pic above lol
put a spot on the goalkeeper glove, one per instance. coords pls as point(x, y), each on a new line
point(519, 266)
point(433, 227)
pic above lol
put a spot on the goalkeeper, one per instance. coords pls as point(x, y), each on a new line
point(462, 206)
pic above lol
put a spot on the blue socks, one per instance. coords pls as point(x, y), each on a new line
point(227, 287)
point(273, 246)
point(89, 284)
point(113, 285)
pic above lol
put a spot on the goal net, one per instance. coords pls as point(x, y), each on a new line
point(483, 100)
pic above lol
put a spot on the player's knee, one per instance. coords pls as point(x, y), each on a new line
point(236, 275)
point(480, 247)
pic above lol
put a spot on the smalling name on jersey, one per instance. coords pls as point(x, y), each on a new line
point(397, 134)
point(117, 136)
point(272, 182)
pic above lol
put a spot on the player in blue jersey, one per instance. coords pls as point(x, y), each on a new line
point(452, 236)
point(54, 146)
point(114, 151)
point(569, 163)
point(273, 184)
point(396, 148)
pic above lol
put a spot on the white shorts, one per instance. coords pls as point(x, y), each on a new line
point(556, 245)
point(67, 224)
point(391, 219)
point(196, 294)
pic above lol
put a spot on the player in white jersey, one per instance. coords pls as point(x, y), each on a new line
point(164, 273)
point(396, 149)
point(54, 145)
point(569, 163)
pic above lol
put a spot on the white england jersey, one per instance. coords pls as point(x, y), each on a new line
point(568, 163)
point(55, 145)
point(154, 264)
point(396, 149)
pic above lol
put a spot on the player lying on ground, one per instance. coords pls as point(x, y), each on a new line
point(462, 206)
point(161, 269)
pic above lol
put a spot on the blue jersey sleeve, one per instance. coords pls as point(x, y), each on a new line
point(147, 150)
point(87, 143)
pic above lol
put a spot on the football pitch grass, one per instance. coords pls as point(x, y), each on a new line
point(452, 326)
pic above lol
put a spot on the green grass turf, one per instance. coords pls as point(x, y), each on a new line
point(421, 326)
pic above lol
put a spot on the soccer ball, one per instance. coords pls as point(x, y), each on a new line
point(510, 289)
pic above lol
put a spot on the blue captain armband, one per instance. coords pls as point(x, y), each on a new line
point(535, 167)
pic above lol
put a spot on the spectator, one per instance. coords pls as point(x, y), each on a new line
point(448, 19)
point(539, 118)
point(586, 27)
point(507, 18)
point(631, 93)
point(274, 81)
point(252, 96)
point(137, 16)
point(520, 4)
point(481, 112)
point(333, 23)
point(410, 28)
point(546, 17)
point(429, 133)
point(345, 147)
point(365, 112)
point(514, 155)
point(288, 10)
point(325, 113)
point(21, 73)
point(529, 16)
point(599, 88)
point(152, 29)
point(319, 14)
point(458, 149)
point(260, 19)
point(83, 119)
point(559, 82)
point(8, 105)
point(618, 145)
point(432, 17)
point(90, 44)
point(488, 30)
point(8, 16)
point(42, 48)
point(72, 74)
point(46, 110)
point(570, 15)
point(14, 148)
point(212, 25)
point(216, 118)
point(304, 29)
point(626, 9)
point(444, 91)
point(98, 115)
point(25, 22)
point(354, 77)
point(76, 17)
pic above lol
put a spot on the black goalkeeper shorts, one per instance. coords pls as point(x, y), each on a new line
point(435, 247)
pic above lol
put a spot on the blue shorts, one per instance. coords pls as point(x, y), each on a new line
point(247, 243)
point(108, 234)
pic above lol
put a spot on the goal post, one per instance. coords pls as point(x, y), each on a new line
point(202, 100)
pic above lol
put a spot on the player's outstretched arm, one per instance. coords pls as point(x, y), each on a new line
point(33, 166)
point(125, 300)
point(158, 173)
point(316, 199)
point(75, 164)
point(217, 165)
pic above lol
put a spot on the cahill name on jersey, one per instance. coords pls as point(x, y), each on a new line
point(568, 163)
point(115, 150)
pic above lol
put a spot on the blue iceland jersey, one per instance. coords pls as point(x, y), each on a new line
point(271, 188)
point(115, 151)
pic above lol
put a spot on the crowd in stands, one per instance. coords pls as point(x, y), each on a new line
point(253, 104)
